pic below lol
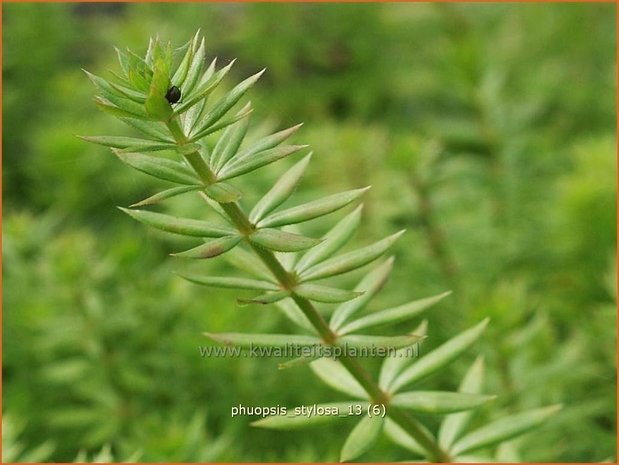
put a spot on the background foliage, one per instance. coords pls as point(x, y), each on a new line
point(488, 131)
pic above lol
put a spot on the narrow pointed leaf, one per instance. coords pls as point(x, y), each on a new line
point(362, 437)
point(266, 143)
point(325, 294)
point(440, 357)
point(291, 311)
point(350, 261)
point(203, 89)
point(280, 192)
point(504, 429)
point(167, 194)
point(228, 144)
point(374, 342)
point(176, 225)
point(156, 104)
point(336, 238)
point(393, 315)
point(453, 426)
point(264, 340)
point(123, 60)
point(131, 143)
point(369, 285)
point(192, 116)
point(230, 283)
point(265, 299)
point(216, 207)
point(110, 94)
point(113, 110)
point(137, 97)
point(155, 129)
point(394, 364)
point(223, 193)
point(311, 210)
point(281, 241)
point(178, 79)
point(246, 261)
point(334, 375)
point(293, 422)
point(211, 249)
point(225, 104)
point(259, 160)
point(224, 123)
point(195, 69)
point(161, 168)
point(439, 402)
point(299, 361)
point(400, 437)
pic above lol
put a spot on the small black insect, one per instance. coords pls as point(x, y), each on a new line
point(173, 95)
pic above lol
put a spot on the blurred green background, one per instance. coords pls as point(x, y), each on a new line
point(486, 130)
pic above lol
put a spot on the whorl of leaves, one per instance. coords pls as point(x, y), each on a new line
point(139, 95)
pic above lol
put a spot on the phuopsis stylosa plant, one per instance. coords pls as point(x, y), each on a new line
point(169, 105)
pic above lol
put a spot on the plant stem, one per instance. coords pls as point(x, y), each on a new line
point(287, 280)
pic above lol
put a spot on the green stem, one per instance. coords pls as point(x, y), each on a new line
point(287, 280)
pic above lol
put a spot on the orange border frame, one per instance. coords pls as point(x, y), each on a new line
point(616, 2)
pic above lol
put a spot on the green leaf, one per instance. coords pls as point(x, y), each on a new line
point(440, 357)
point(211, 248)
point(129, 143)
point(261, 159)
point(156, 104)
point(176, 225)
point(349, 261)
point(178, 79)
point(225, 104)
point(248, 262)
point(453, 426)
point(291, 421)
point(113, 110)
point(228, 144)
point(264, 340)
point(155, 129)
point(325, 294)
point(334, 375)
point(195, 69)
point(373, 342)
point(281, 241)
point(439, 402)
point(400, 437)
point(280, 192)
point(265, 143)
point(336, 238)
point(393, 315)
point(216, 207)
point(362, 437)
point(230, 283)
point(504, 429)
point(311, 210)
point(203, 90)
point(224, 123)
point(291, 311)
point(123, 60)
point(369, 285)
point(192, 116)
point(135, 96)
point(394, 364)
point(167, 194)
point(297, 362)
point(161, 168)
point(223, 193)
point(265, 299)
point(111, 93)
